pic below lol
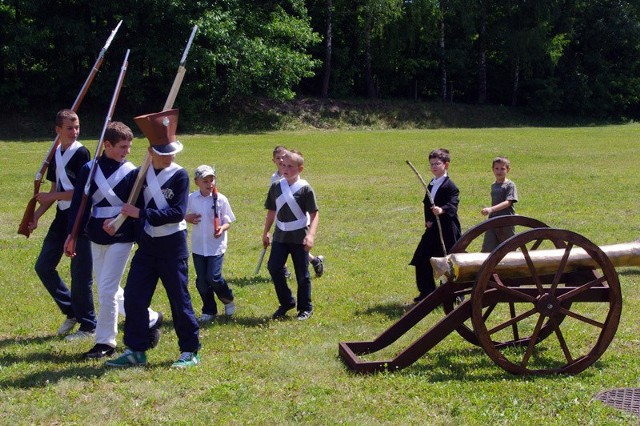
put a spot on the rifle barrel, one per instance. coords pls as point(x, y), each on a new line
point(87, 187)
point(27, 217)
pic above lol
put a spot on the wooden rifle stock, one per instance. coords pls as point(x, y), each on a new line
point(71, 246)
point(146, 162)
point(27, 217)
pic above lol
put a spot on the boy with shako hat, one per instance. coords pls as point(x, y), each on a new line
point(162, 247)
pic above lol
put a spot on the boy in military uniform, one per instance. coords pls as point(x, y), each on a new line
point(291, 205)
point(75, 303)
point(162, 247)
point(110, 253)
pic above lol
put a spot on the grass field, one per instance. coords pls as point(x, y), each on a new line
point(256, 371)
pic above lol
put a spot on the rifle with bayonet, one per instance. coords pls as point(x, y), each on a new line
point(27, 217)
point(70, 245)
point(146, 162)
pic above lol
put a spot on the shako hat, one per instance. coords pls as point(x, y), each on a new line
point(160, 129)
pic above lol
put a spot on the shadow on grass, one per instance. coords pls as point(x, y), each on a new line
point(390, 310)
point(46, 378)
point(27, 340)
point(221, 320)
point(247, 281)
point(473, 365)
point(629, 272)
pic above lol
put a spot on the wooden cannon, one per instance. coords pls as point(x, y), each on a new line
point(544, 301)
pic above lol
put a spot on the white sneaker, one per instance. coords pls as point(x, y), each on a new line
point(230, 308)
point(80, 334)
point(67, 326)
point(204, 318)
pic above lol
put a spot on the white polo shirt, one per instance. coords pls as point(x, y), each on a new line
point(202, 240)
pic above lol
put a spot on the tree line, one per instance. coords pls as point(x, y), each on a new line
point(578, 57)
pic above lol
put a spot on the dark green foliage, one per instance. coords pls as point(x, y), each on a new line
point(571, 56)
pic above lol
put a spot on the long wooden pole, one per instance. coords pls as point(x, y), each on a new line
point(461, 267)
point(27, 217)
point(70, 247)
point(117, 222)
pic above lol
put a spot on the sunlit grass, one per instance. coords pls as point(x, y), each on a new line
point(255, 371)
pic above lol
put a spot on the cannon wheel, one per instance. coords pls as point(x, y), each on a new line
point(583, 315)
point(465, 241)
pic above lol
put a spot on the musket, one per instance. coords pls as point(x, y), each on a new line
point(216, 217)
point(426, 188)
point(71, 246)
point(146, 162)
point(27, 217)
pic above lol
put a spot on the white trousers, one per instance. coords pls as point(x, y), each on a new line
point(109, 262)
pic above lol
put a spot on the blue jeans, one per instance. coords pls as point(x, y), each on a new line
point(209, 281)
point(300, 258)
point(76, 302)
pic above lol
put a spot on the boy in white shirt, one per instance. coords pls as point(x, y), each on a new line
point(211, 216)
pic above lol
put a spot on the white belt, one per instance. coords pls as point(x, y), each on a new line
point(106, 211)
point(164, 230)
point(294, 224)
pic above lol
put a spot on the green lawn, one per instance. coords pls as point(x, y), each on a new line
point(256, 371)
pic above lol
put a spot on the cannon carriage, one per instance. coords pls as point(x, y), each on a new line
point(544, 301)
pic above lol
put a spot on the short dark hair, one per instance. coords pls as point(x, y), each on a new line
point(501, 160)
point(441, 154)
point(278, 148)
point(117, 131)
point(64, 114)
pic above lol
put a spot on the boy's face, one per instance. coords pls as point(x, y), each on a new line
point(118, 151)
point(438, 167)
point(161, 161)
point(500, 171)
point(68, 132)
point(278, 161)
point(206, 185)
point(291, 170)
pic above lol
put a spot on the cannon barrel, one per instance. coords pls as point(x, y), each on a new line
point(461, 267)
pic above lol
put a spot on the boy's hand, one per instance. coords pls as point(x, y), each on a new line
point(193, 218)
point(67, 247)
point(33, 224)
point(437, 210)
point(45, 197)
point(485, 211)
point(308, 242)
point(266, 240)
point(220, 231)
point(130, 210)
point(110, 230)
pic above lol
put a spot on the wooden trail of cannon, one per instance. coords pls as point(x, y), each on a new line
point(544, 301)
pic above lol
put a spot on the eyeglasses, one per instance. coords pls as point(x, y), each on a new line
point(436, 164)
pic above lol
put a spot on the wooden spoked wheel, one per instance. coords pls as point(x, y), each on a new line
point(465, 241)
point(580, 306)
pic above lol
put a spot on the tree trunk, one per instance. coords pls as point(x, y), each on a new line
point(443, 64)
point(324, 91)
point(368, 72)
point(516, 82)
point(482, 60)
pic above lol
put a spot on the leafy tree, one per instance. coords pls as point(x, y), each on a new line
point(600, 71)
